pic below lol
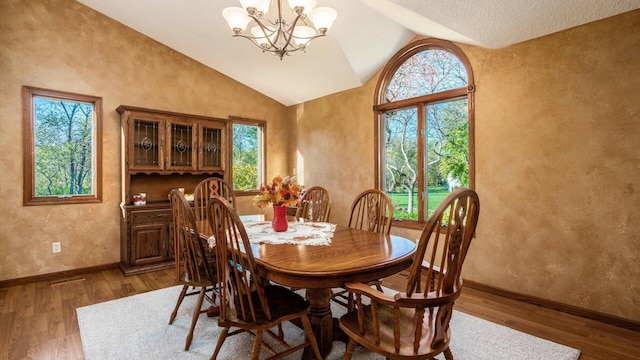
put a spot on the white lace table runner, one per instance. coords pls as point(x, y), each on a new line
point(298, 233)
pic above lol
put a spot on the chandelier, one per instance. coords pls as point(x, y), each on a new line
point(282, 35)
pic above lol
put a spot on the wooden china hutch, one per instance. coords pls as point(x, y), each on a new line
point(162, 151)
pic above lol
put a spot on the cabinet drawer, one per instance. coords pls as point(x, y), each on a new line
point(145, 216)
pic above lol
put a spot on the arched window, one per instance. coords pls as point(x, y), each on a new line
point(424, 127)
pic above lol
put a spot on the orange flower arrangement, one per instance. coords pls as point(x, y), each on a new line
point(283, 192)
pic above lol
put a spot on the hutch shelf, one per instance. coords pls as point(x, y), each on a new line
point(162, 151)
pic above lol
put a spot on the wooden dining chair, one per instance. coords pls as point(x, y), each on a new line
point(315, 205)
point(194, 271)
point(415, 324)
point(372, 211)
point(208, 188)
point(247, 302)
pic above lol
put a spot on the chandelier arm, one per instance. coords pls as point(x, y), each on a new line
point(271, 49)
point(289, 31)
point(280, 30)
point(253, 41)
point(274, 50)
point(311, 38)
point(266, 36)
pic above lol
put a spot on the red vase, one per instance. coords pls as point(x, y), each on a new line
point(279, 222)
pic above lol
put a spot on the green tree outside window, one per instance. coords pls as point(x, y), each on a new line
point(63, 147)
point(62, 152)
point(247, 156)
point(424, 127)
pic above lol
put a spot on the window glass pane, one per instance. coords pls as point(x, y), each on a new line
point(246, 156)
point(447, 149)
point(63, 140)
point(427, 91)
point(427, 72)
point(401, 162)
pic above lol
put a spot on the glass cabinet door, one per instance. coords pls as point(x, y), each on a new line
point(211, 147)
point(182, 146)
point(145, 147)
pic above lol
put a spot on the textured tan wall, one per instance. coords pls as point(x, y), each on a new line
point(557, 164)
point(557, 134)
point(63, 45)
point(335, 146)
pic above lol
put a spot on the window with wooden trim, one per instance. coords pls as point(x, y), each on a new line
point(62, 147)
point(424, 128)
point(248, 154)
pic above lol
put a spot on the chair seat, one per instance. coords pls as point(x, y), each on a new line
point(349, 324)
point(283, 304)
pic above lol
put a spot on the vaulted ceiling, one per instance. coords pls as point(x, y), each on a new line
point(363, 38)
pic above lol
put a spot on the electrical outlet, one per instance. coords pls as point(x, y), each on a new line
point(55, 247)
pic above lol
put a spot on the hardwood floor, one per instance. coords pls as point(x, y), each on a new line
point(38, 320)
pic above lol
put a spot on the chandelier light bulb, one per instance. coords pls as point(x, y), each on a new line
point(264, 7)
point(256, 7)
point(322, 18)
point(302, 35)
point(308, 5)
point(236, 18)
point(262, 40)
point(251, 5)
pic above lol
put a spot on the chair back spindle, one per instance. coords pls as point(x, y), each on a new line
point(372, 211)
point(315, 205)
point(207, 189)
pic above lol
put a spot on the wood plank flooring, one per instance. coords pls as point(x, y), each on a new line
point(38, 320)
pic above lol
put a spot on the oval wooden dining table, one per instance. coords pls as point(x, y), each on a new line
point(353, 255)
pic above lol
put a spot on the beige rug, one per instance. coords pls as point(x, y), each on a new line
point(137, 327)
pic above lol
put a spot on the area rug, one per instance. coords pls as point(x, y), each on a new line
point(136, 327)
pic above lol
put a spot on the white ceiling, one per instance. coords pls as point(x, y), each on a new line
point(363, 38)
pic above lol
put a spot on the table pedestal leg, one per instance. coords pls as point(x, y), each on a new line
point(321, 320)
